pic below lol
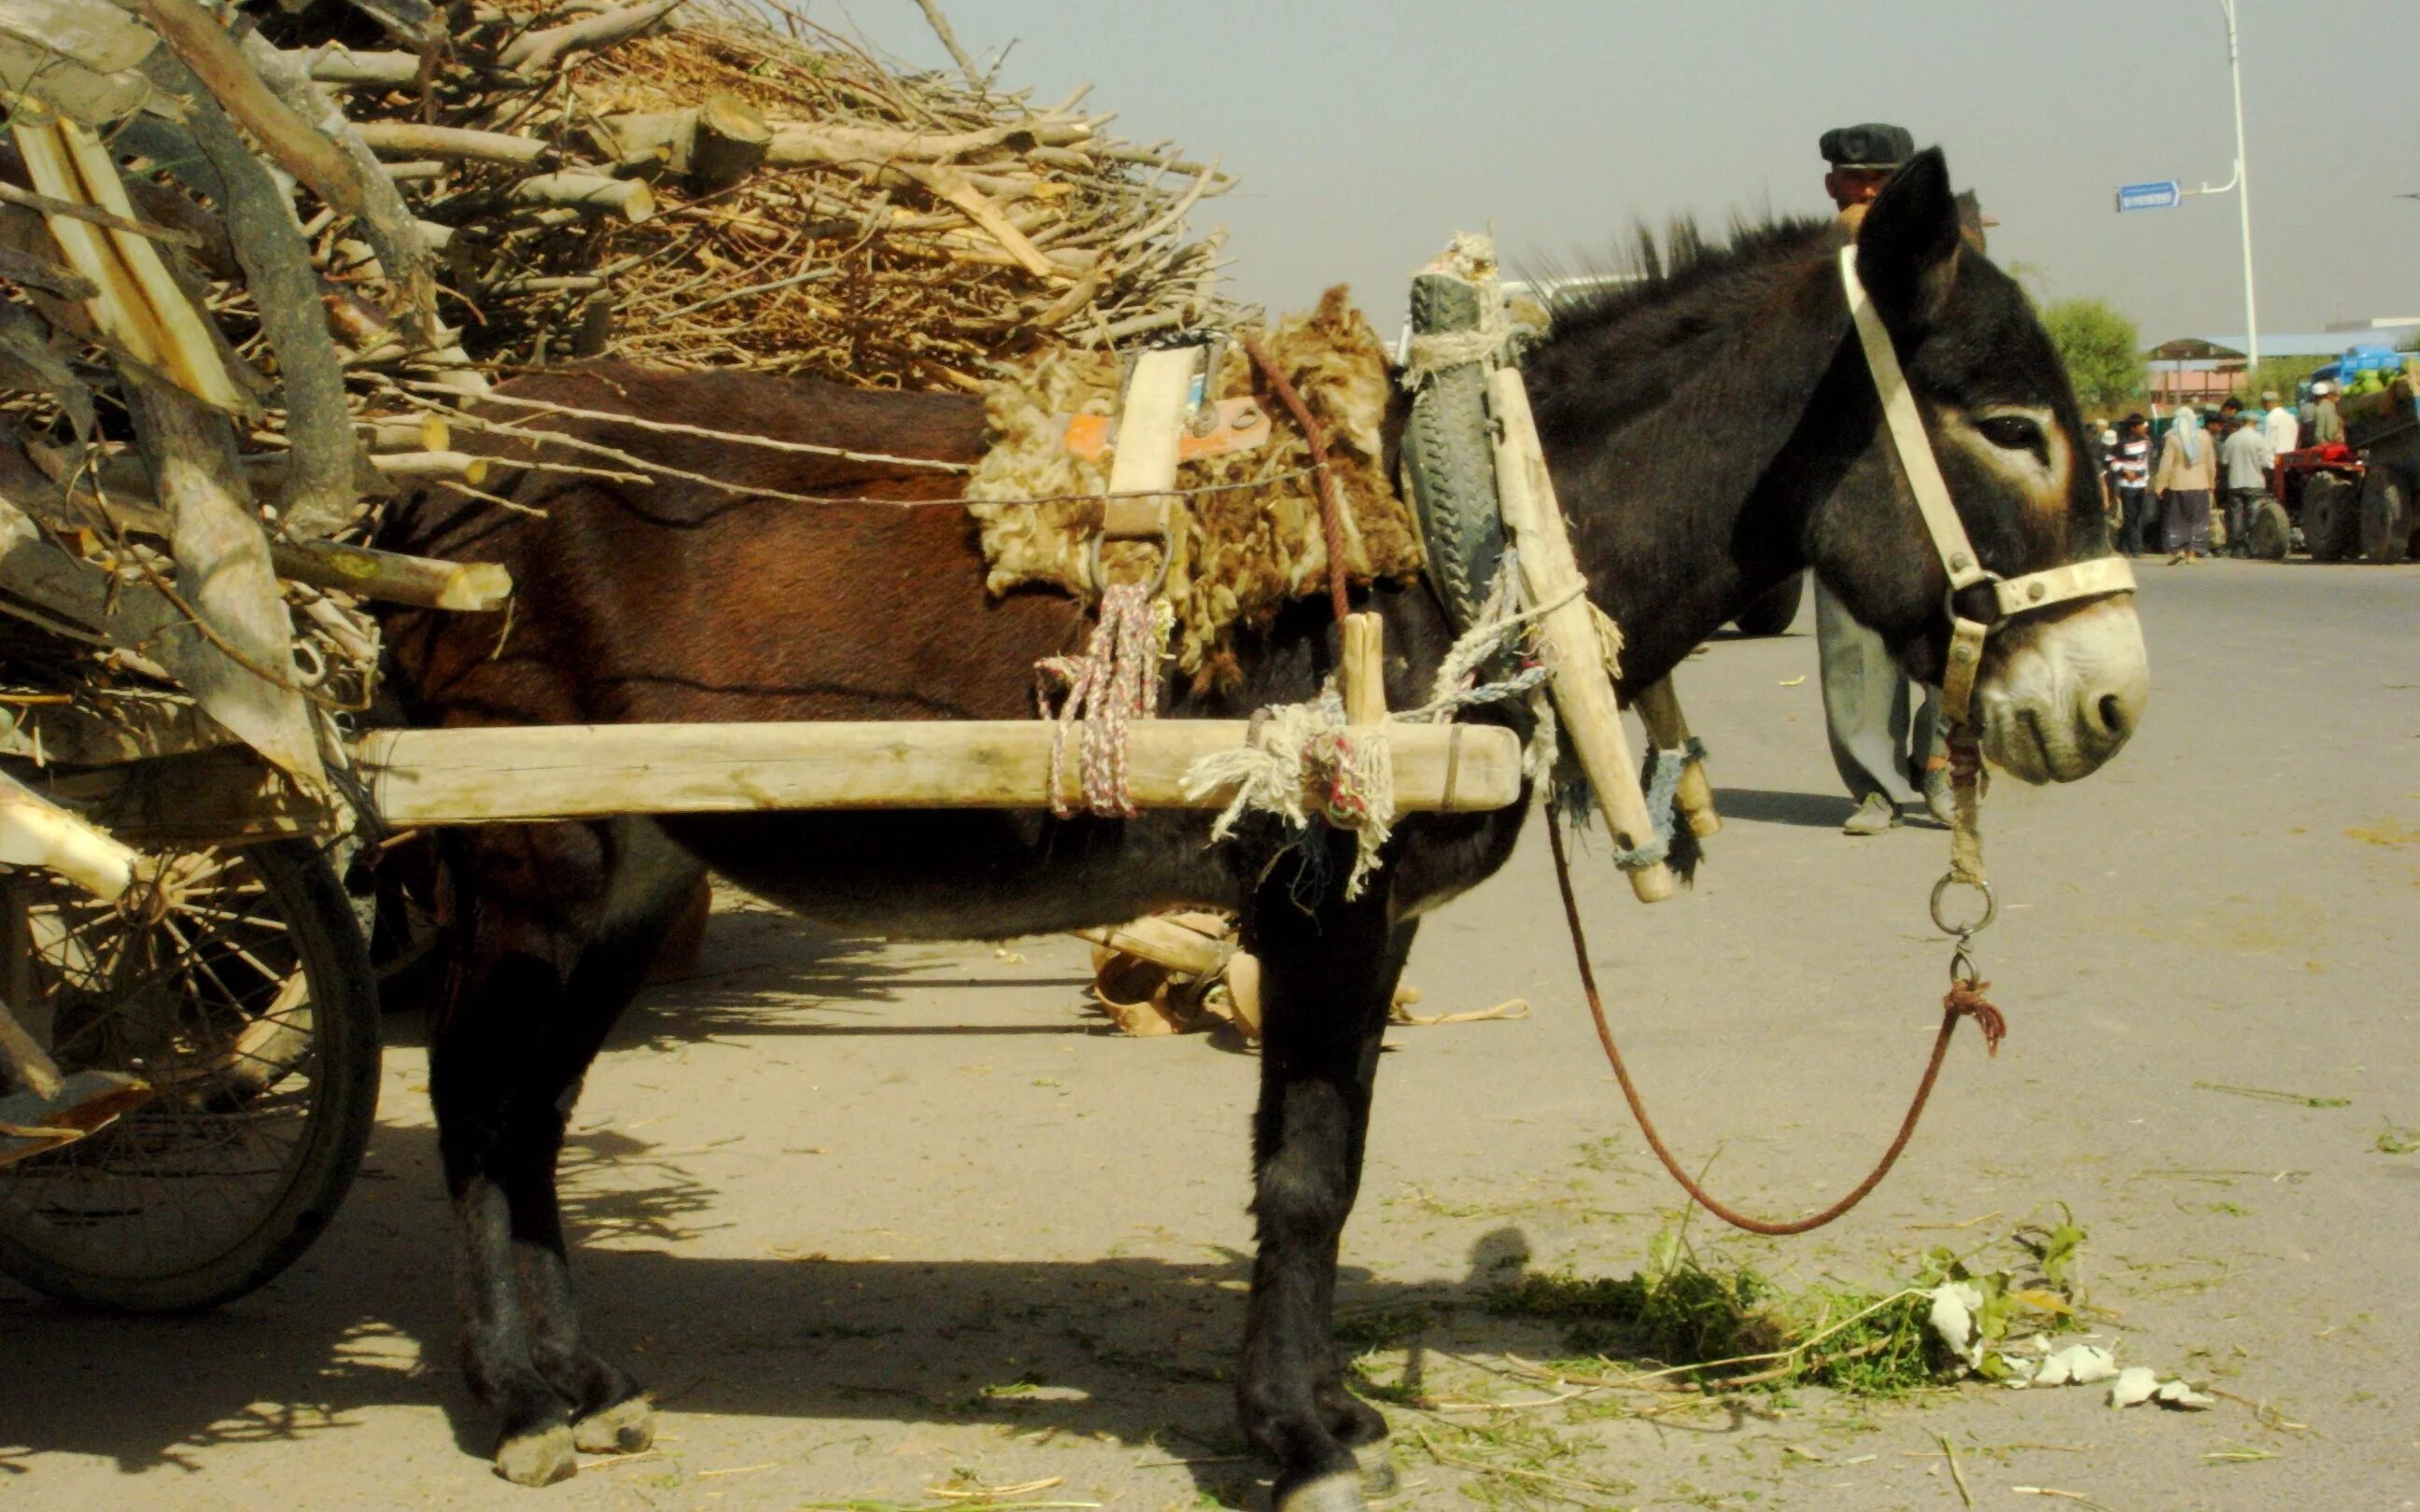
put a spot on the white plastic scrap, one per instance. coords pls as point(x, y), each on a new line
point(2140, 1383)
point(2135, 1383)
point(1952, 1321)
point(2078, 1365)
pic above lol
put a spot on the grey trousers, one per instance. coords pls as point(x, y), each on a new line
point(1866, 708)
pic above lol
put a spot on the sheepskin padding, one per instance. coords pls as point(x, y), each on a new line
point(1238, 555)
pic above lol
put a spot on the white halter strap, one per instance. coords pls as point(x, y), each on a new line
point(2093, 578)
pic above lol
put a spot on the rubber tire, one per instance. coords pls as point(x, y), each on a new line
point(1774, 610)
point(2330, 519)
point(2385, 519)
point(2269, 533)
point(336, 964)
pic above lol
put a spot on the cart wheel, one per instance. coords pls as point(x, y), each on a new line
point(2331, 524)
point(243, 998)
point(2270, 532)
point(1775, 610)
point(2385, 519)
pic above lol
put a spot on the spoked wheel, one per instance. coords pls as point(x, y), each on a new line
point(242, 999)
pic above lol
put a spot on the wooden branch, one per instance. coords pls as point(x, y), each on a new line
point(318, 496)
point(390, 577)
point(140, 307)
point(44, 274)
point(534, 53)
point(728, 139)
point(949, 184)
point(223, 564)
point(35, 831)
point(203, 46)
point(512, 774)
point(589, 193)
point(409, 139)
point(1361, 669)
point(806, 144)
point(347, 69)
point(92, 215)
point(940, 26)
point(383, 219)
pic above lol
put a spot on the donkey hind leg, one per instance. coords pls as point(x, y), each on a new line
point(1326, 980)
point(540, 993)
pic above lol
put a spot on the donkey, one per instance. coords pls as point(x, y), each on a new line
point(1711, 433)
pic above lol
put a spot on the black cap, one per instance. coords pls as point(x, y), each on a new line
point(1874, 145)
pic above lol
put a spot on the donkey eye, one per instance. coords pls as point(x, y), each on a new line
point(2014, 433)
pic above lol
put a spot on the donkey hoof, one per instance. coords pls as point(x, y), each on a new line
point(1379, 1482)
point(538, 1458)
point(624, 1429)
point(1340, 1491)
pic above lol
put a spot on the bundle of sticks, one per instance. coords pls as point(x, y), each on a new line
point(259, 264)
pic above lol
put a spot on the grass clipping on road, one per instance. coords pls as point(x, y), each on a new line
point(1679, 1324)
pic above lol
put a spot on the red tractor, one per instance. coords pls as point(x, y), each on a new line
point(2352, 498)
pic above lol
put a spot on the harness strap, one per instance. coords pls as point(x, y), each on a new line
point(2096, 578)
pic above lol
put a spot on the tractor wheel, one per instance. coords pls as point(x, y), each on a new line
point(2270, 532)
point(2330, 521)
point(2385, 519)
point(1774, 611)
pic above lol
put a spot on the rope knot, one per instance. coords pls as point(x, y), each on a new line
point(1965, 999)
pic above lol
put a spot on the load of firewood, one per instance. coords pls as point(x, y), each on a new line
point(257, 264)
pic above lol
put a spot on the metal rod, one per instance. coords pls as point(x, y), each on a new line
point(2244, 202)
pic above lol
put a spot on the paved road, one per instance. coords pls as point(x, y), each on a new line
point(872, 1218)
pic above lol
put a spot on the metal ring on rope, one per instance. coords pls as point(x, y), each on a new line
point(1991, 906)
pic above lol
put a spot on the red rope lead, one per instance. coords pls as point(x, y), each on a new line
point(1964, 999)
point(1331, 527)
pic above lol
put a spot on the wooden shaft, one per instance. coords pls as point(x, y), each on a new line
point(1659, 709)
point(515, 774)
point(1582, 684)
point(1361, 669)
point(390, 577)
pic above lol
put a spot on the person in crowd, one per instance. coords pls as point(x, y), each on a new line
point(2281, 427)
point(2187, 472)
point(2130, 475)
point(2245, 458)
point(1866, 698)
point(2327, 427)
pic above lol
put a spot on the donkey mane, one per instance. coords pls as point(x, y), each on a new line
point(1655, 273)
point(1617, 354)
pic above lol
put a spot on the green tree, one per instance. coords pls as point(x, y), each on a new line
point(2102, 351)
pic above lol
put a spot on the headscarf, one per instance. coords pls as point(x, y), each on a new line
point(2186, 434)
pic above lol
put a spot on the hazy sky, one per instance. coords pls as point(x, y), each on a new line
point(1366, 133)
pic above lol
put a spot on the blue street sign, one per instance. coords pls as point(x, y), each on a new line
point(2166, 194)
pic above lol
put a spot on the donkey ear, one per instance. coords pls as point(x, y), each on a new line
point(1908, 243)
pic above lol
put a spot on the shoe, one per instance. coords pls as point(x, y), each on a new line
point(1874, 816)
point(1936, 795)
point(2178, 560)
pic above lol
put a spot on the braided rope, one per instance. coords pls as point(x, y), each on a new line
point(1115, 679)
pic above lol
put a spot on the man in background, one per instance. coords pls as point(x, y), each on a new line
point(2243, 461)
point(2130, 475)
point(2281, 427)
point(1866, 696)
point(2327, 427)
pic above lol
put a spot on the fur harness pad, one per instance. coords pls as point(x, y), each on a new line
point(1237, 556)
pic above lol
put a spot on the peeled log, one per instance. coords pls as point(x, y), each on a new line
point(515, 774)
point(590, 194)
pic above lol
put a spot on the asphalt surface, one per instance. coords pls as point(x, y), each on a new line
point(881, 1223)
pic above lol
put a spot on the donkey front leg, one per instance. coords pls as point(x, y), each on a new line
point(1326, 980)
point(506, 1058)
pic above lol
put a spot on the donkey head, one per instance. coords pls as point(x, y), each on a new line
point(2059, 690)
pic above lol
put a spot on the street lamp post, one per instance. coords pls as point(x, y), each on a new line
point(2243, 195)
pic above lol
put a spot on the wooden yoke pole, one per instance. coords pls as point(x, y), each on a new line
point(1659, 708)
point(1582, 683)
point(1361, 670)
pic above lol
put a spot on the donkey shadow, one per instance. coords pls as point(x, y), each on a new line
point(1136, 1350)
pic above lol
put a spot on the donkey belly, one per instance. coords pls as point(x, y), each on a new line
point(927, 874)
